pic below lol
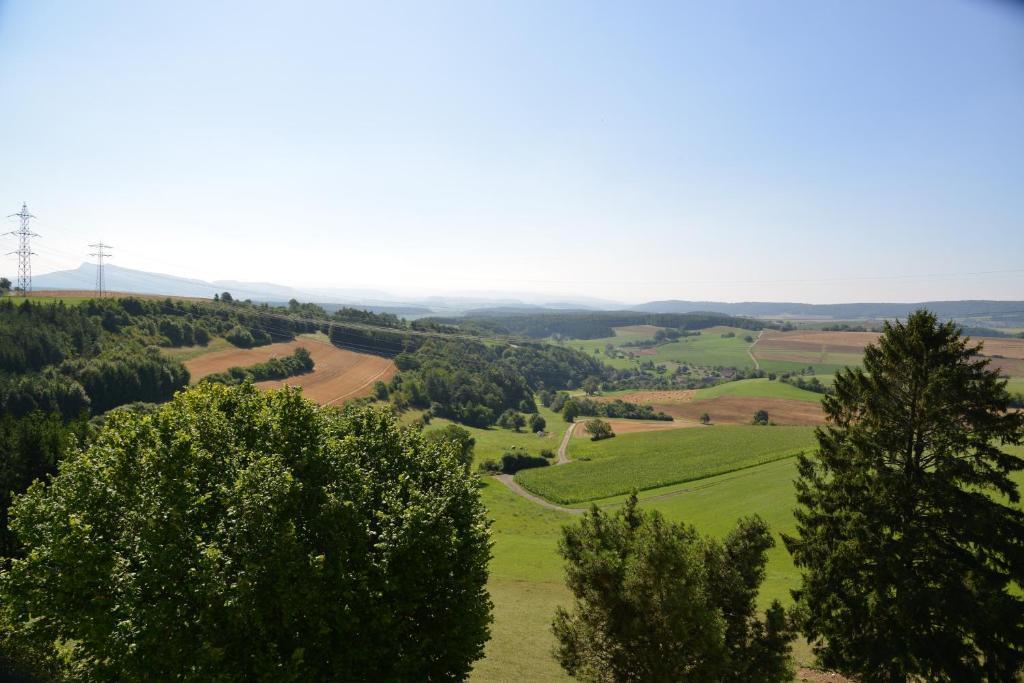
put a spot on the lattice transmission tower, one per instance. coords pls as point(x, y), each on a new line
point(24, 250)
point(100, 255)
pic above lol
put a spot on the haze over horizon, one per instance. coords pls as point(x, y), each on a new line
point(731, 152)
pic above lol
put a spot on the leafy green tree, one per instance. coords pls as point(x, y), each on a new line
point(226, 296)
point(5, 286)
point(656, 601)
point(705, 418)
point(570, 410)
point(599, 429)
point(236, 535)
point(591, 385)
point(457, 436)
point(537, 423)
point(911, 563)
point(761, 418)
point(30, 448)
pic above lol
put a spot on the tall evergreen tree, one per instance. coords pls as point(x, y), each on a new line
point(908, 553)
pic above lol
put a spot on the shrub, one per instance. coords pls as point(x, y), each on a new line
point(517, 459)
point(761, 418)
point(537, 423)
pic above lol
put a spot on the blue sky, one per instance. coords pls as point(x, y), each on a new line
point(814, 151)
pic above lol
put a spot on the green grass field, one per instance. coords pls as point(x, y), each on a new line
point(491, 443)
point(185, 353)
point(526, 581)
point(707, 349)
point(1015, 385)
point(653, 459)
point(757, 388)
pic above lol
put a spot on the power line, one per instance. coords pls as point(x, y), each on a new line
point(24, 250)
point(100, 255)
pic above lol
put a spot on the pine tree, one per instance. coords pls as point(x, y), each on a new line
point(908, 553)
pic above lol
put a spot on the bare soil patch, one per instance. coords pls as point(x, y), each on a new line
point(1008, 348)
point(833, 342)
point(622, 426)
point(338, 374)
point(741, 409)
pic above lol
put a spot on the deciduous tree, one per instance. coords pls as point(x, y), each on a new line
point(236, 535)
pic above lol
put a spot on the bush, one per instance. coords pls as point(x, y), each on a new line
point(518, 459)
point(243, 535)
point(599, 429)
point(761, 418)
point(240, 337)
point(490, 466)
point(537, 423)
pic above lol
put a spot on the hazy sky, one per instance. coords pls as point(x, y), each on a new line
point(813, 151)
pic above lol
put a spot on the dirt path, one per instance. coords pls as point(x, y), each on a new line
point(510, 482)
point(563, 456)
point(750, 350)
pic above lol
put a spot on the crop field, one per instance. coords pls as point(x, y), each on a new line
point(1015, 385)
point(709, 348)
point(338, 374)
point(824, 351)
point(733, 402)
point(527, 580)
point(653, 459)
point(624, 426)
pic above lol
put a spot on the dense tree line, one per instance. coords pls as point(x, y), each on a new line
point(297, 363)
point(572, 407)
point(590, 325)
point(475, 382)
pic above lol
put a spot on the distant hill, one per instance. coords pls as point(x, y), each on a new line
point(1010, 313)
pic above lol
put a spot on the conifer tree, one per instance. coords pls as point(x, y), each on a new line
point(908, 552)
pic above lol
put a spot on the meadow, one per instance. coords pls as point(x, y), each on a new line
point(756, 388)
point(646, 460)
point(527, 580)
point(708, 349)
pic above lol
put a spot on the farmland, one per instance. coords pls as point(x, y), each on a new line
point(339, 374)
point(526, 581)
point(709, 348)
point(653, 459)
point(733, 402)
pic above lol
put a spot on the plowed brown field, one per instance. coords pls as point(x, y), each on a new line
point(337, 375)
point(621, 426)
point(726, 409)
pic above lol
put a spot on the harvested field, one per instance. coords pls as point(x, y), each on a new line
point(740, 410)
point(338, 374)
point(685, 406)
point(653, 397)
point(622, 426)
point(834, 342)
point(1007, 348)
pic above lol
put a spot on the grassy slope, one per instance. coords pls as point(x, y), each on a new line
point(759, 388)
point(493, 442)
point(1015, 385)
point(526, 575)
point(653, 459)
point(184, 353)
